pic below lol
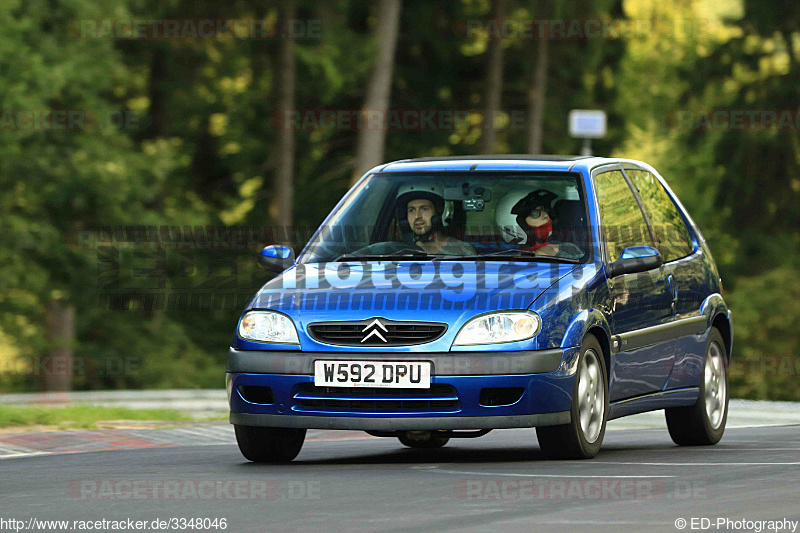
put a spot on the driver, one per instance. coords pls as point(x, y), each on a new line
point(424, 209)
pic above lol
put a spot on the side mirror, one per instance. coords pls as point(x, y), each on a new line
point(635, 259)
point(276, 257)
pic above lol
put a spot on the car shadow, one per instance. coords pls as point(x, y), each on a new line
point(453, 455)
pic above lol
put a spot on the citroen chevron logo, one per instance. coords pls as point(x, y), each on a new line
point(375, 325)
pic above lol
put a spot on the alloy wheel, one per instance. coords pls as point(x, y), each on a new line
point(716, 387)
point(591, 396)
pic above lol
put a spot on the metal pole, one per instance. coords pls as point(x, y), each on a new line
point(587, 147)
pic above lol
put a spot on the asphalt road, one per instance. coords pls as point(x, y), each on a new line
point(500, 482)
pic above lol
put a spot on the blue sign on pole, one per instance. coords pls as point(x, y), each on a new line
point(587, 124)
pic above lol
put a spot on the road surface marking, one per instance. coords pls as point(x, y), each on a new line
point(467, 473)
point(692, 464)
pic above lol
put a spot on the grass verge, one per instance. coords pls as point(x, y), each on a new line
point(81, 416)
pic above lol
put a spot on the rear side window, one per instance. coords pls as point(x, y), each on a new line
point(621, 218)
point(673, 238)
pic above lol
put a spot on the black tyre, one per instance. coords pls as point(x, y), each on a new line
point(422, 439)
point(583, 436)
point(703, 423)
point(269, 445)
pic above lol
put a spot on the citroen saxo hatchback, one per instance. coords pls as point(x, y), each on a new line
point(444, 298)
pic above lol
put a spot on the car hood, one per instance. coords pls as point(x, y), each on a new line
point(444, 291)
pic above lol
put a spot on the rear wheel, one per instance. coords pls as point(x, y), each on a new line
point(422, 439)
point(704, 422)
point(269, 445)
point(582, 437)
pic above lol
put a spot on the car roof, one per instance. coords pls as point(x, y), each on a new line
point(495, 162)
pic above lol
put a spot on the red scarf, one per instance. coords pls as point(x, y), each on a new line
point(538, 235)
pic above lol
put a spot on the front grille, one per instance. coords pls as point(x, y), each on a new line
point(376, 332)
point(439, 397)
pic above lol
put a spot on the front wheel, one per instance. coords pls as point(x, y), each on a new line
point(269, 445)
point(703, 423)
point(582, 437)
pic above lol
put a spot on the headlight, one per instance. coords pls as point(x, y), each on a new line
point(268, 326)
point(493, 328)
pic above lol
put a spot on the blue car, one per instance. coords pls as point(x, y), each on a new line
point(448, 297)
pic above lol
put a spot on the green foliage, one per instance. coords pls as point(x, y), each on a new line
point(182, 133)
point(81, 416)
point(58, 182)
point(766, 344)
point(758, 192)
point(740, 184)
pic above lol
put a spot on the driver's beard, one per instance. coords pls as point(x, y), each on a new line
point(428, 236)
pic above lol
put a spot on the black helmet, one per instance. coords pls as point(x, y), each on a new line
point(539, 197)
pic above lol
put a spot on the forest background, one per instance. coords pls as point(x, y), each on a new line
point(108, 120)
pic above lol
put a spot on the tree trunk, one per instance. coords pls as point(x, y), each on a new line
point(494, 83)
point(281, 209)
point(536, 96)
point(372, 140)
point(56, 364)
point(787, 39)
point(158, 112)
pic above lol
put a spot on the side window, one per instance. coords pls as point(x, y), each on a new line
point(674, 240)
point(622, 221)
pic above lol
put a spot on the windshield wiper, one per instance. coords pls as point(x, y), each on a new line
point(503, 255)
point(408, 253)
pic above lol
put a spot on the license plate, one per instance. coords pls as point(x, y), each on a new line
point(408, 375)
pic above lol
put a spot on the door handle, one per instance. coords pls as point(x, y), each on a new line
point(673, 287)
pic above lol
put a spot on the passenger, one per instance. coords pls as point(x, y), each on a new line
point(526, 219)
point(425, 211)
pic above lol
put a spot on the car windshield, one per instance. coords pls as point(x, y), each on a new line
point(491, 216)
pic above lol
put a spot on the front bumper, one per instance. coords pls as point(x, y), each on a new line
point(453, 402)
point(444, 364)
point(401, 424)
